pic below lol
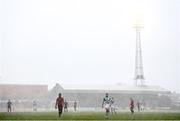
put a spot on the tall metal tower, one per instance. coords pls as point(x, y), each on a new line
point(139, 74)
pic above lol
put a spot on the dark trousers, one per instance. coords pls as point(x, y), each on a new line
point(9, 108)
point(60, 109)
point(132, 109)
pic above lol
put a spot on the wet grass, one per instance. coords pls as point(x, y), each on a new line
point(90, 116)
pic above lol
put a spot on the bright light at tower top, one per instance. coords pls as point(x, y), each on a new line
point(138, 22)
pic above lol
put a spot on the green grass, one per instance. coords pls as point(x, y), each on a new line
point(90, 116)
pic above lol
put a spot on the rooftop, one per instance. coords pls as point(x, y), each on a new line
point(114, 88)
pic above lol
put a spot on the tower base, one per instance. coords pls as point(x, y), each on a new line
point(139, 82)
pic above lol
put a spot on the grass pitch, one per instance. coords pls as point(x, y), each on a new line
point(95, 116)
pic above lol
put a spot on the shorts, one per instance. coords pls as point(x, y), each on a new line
point(112, 106)
point(107, 106)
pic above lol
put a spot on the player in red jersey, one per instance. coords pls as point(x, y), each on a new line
point(59, 104)
point(131, 105)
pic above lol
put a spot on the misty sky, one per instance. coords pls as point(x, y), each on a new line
point(88, 41)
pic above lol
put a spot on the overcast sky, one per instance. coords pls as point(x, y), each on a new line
point(88, 41)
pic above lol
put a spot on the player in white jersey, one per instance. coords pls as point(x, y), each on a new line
point(106, 104)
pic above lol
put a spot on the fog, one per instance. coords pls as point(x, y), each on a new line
point(33, 98)
point(88, 41)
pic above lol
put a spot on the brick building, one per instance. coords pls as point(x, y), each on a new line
point(22, 96)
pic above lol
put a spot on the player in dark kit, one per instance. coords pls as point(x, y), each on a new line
point(131, 105)
point(59, 104)
point(9, 103)
point(75, 105)
point(66, 106)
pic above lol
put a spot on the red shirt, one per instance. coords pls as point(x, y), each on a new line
point(132, 104)
point(60, 101)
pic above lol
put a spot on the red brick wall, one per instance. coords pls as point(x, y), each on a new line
point(23, 91)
